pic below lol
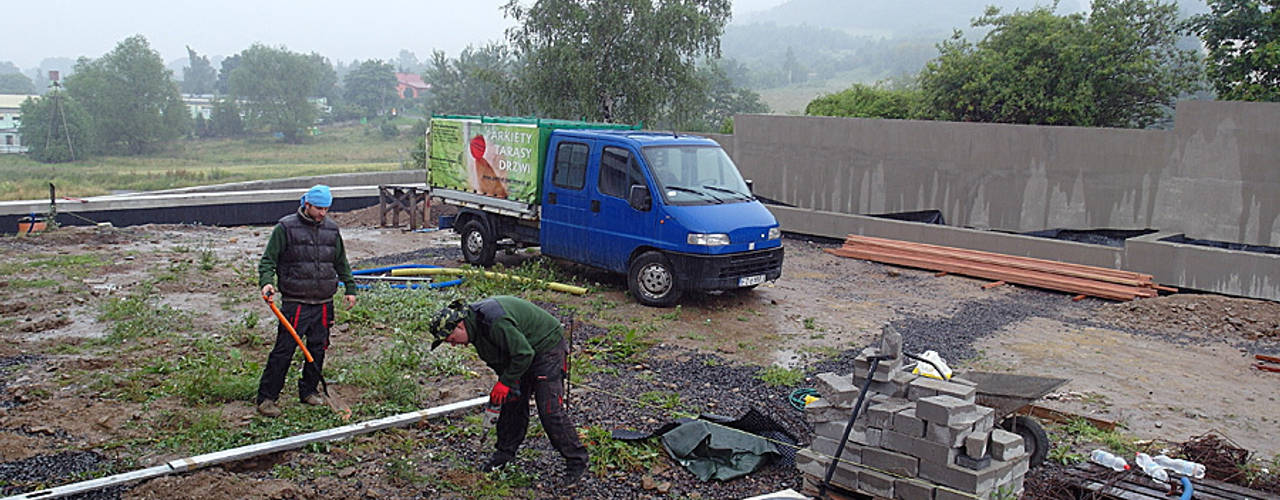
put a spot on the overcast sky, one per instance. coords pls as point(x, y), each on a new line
point(340, 30)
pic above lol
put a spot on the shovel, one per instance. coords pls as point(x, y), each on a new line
point(338, 407)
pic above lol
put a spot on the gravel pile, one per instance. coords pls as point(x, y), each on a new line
point(24, 475)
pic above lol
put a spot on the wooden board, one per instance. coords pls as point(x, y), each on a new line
point(1134, 485)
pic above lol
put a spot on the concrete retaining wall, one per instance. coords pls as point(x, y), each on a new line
point(1215, 176)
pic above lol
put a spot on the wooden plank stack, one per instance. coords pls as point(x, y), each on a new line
point(1079, 279)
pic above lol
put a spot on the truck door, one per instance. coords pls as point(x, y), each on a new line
point(616, 228)
point(565, 200)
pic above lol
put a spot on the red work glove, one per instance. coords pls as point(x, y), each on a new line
point(499, 394)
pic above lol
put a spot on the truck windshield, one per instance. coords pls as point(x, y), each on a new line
point(696, 175)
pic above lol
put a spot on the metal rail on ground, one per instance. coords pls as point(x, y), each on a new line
point(252, 450)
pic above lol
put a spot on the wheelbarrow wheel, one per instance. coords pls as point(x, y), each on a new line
point(1034, 438)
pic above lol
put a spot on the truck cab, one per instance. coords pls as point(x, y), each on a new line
point(669, 211)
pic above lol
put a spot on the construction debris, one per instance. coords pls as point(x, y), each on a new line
point(1078, 279)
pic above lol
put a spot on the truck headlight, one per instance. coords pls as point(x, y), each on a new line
point(710, 240)
point(775, 232)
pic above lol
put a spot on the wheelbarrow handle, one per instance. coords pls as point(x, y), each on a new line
point(289, 326)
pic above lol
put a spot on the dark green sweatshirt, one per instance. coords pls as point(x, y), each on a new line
point(508, 331)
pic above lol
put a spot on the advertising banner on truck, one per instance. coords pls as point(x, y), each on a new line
point(492, 159)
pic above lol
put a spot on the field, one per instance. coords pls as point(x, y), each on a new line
point(129, 347)
point(336, 149)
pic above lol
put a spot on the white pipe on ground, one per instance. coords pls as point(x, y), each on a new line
point(252, 450)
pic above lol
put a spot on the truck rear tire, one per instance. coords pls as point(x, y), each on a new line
point(652, 280)
point(478, 244)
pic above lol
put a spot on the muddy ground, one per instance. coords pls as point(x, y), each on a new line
point(81, 397)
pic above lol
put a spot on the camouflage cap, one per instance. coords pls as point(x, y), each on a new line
point(445, 320)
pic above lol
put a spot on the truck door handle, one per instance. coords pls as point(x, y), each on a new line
point(551, 198)
point(595, 205)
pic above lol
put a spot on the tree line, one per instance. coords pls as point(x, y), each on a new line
point(633, 61)
point(1124, 64)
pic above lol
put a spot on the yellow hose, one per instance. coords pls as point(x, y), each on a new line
point(451, 271)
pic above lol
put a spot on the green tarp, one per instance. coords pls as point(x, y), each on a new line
point(717, 452)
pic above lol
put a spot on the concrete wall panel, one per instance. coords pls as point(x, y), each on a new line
point(1214, 176)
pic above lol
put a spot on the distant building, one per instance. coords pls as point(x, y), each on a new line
point(410, 85)
point(199, 104)
point(10, 120)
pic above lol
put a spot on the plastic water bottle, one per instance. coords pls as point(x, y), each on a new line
point(1106, 459)
point(1184, 467)
point(1151, 468)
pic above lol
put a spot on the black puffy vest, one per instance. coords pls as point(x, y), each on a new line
point(305, 269)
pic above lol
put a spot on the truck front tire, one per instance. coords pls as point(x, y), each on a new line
point(652, 280)
point(478, 244)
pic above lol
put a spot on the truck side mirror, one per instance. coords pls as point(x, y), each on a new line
point(639, 198)
point(751, 186)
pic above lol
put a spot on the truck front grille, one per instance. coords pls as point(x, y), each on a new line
point(752, 263)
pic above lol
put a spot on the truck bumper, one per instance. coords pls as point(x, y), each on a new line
point(725, 272)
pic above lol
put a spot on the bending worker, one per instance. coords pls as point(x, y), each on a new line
point(305, 252)
point(525, 345)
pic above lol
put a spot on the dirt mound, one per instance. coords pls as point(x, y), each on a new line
point(370, 216)
point(1214, 316)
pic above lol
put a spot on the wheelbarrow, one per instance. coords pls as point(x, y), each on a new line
point(1009, 394)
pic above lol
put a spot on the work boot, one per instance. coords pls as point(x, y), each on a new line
point(494, 462)
point(268, 408)
point(313, 399)
point(573, 475)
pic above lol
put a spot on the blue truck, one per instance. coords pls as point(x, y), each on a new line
point(670, 211)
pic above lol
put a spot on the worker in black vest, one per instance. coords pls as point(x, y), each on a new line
point(525, 345)
point(305, 253)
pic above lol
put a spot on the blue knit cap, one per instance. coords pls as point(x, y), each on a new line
point(318, 195)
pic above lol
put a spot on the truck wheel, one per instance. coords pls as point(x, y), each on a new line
point(1034, 439)
point(652, 280)
point(478, 245)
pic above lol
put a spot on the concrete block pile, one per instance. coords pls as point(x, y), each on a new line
point(917, 438)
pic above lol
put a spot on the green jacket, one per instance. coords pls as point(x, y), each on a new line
point(508, 331)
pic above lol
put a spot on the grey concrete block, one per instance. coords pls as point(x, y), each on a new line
point(821, 411)
point(941, 434)
point(960, 478)
point(881, 415)
point(912, 489)
point(986, 419)
point(839, 390)
point(975, 444)
point(942, 388)
point(874, 436)
point(830, 430)
point(888, 461)
point(946, 494)
point(814, 467)
point(974, 463)
point(945, 410)
point(875, 483)
point(925, 450)
point(906, 422)
point(852, 452)
point(1006, 445)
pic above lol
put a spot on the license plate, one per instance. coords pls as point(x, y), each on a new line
point(751, 280)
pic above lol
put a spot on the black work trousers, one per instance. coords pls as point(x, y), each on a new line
point(545, 380)
point(312, 322)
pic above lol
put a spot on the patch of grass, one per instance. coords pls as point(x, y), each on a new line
point(136, 317)
point(609, 455)
point(622, 344)
point(40, 283)
point(208, 260)
point(810, 324)
point(71, 266)
point(661, 399)
point(397, 371)
point(673, 315)
point(1079, 433)
point(777, 376)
